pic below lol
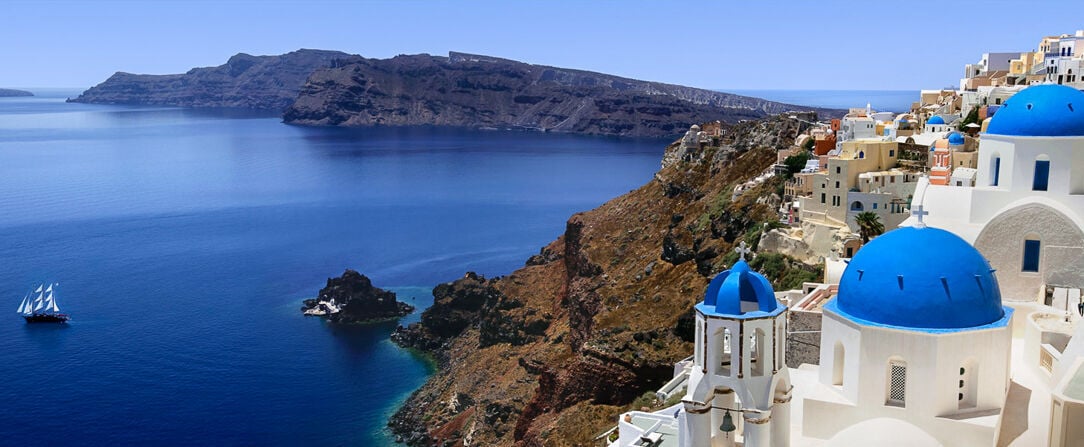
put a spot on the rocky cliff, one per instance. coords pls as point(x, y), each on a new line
point(351, 298)
point(551, 354)
point(487, 92)
point(245, 81)
point(7, 92)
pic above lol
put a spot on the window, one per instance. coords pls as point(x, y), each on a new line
point(997, 171)
point(837, 183)
point(837, 364)
point(837, 169)
point(822, 197)
point(857, 206)
point(897, 382)
point(892, 180)
point(891, 152)
point(997, 101)
point(1031, 256)
point(861, 154)
point(967, 393)
point(756, 348)
point(1042, 175)
point(722, 368)
point(874, 205)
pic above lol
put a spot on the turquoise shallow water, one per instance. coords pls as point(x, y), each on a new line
point(185, 240)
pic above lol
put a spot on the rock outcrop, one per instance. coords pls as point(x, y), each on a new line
point(487, 92)
point(252, 82)
point(592, 325)
point(7, 92)
point(351, 298)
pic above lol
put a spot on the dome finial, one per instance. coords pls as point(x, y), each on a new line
point(743, 250)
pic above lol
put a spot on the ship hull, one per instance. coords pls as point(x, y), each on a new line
point(47, 318)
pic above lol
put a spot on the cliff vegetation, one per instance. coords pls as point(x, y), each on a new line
point(551, 354)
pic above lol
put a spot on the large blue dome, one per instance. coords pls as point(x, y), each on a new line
point(936, 119)
point(919, 278)
point(956, 139)
point(739, 292)
point(1041, 111)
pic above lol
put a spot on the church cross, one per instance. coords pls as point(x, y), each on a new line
point(743, 250)
point(918, 212)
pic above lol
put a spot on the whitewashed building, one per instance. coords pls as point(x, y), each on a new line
point(1026, 211)
point(921, 340)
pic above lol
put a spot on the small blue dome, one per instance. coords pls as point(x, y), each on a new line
point(955, 139)
point(1046, 110)
point(936, 119)
point(730, 289)
point(920, 278)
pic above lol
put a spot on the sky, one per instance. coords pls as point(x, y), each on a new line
point(721, 44)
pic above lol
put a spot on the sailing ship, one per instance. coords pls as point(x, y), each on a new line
point(43, 308)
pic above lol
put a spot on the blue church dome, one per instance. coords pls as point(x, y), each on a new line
point(955, 139)
point(1047, 110)
point(919, 278)
point(739, 292)
point(936, 119)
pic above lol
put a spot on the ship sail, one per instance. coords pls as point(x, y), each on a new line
point(51, 301)
point(22, 306)
point(39, 302)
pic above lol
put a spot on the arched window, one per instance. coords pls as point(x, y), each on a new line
point(837, 364)
point(856, 206)
point(701, 342)
point(861, 154)
point(896, 394)
point(967, 395)
point(722, 368)
point(756, 349)
point(1042, 173)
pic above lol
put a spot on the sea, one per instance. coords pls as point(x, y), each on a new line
point(183, 241)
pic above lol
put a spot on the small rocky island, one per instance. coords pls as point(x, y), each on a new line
point(7, 92)
point(351, 298)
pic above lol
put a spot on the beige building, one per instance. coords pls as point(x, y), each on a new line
point(837, 189)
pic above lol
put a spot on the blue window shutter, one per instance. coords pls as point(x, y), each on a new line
point(1042, 174)
point(1031, 256)
point(997, 169)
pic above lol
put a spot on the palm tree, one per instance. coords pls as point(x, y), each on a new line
point(869, 225)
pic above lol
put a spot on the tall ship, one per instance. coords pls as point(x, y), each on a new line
point(43, 308)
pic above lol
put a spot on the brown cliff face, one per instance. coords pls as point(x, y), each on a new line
point(480, 91)
point(617, 308)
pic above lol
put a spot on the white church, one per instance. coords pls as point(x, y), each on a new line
point(960, 329)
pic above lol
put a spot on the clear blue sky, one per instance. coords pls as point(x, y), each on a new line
point(802, 44)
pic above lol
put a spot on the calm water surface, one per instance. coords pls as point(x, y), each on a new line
point(184, 241)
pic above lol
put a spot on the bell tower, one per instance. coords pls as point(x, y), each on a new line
point(739, 385)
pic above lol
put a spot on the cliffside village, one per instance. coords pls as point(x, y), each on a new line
point(959, 325)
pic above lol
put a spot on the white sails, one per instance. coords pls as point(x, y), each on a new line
point(44, 301)
point(23, 306)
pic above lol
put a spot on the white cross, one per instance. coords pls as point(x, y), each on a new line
point(743, 250)
point(918, 212)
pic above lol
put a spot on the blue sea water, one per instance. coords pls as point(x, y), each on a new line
point(897, 101)
point(183, 242)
